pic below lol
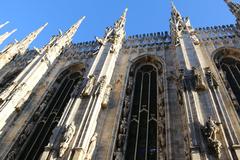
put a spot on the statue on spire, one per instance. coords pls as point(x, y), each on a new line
point(24, 44)
point(121, 22)
point(113, 33)
point(179, 24)
point(176, 24)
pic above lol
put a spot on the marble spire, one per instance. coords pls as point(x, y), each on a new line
point(122, 21)
point(4, 24)
point(6, 35)
point(234, 8)
point(23, 85)
point(176, 23)
point(18, 48)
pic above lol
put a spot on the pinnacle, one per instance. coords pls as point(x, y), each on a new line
point(126, 9)
point(173, 5)
point(45, 24)
point(6, 35)
point(125, 13)
point(80, 20)
point(228, 1)
point(2, 25)
point(72, 30)
point(174, 8)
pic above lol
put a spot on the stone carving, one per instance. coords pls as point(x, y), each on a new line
point(42, 106)
point(212, 82)
point(89, 86)
point(118, 154)
point(180, 97)
point(121, 22)
point(99, 40)
point(106, 96)
point(36, 115)
point(22, 139)
point(11, 155)
point(194, 38)
point(112, 49)
point(76, 90)
point(198, 80)
point(126, 107)
point(91, 147)
point(115, 32)
point(29, 128)
point(130, 85)
point(210, 131)
point(67, 137)
point(121, 139)
point(107, 30)
point(123, 126)
point(191, 31)
point(100, 85)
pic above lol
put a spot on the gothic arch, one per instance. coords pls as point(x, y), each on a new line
point(141, 132)
point(79, 66)
point(30, 143)
point(227, 61)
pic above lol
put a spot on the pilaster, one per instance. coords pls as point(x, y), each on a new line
point(94, 95)
point(198, 99)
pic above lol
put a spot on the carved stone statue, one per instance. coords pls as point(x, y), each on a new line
point(89, 86)
point(118, 154)
point(212, 82)
point(99, 40)
point(121, 139)
point(123, 126)
point(126, 106)
point(198, 80)
point(210, 132)
point(106, 96)
point(91, 147)
point(29, 128)
point(100, 85)
point(112, 49)
point(130, 85)
point(11, 155)
point(22, 139)
point(76, 89)
point(67, 137)
point(194, 38)
point(211, 128)
point(190, 30)
point(36, 116)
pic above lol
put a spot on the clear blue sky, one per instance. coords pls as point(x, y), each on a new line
point(144, 16)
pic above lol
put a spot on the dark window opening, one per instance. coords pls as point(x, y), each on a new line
point(231, 68)
point(142, 134)
point(46, 120)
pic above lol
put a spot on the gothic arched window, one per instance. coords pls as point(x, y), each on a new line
point(36, 135)
point(141, 134)
point(230, 69)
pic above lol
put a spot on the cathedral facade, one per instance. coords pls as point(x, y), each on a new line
point(166, 95)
